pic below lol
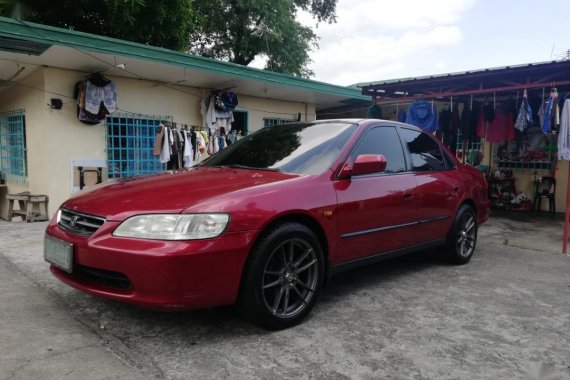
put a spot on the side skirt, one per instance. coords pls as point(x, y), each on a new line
point(347, 265)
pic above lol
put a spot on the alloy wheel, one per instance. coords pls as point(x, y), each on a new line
point(290, 278)
point(466, 236)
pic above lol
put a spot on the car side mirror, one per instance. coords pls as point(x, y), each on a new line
point(364, 164)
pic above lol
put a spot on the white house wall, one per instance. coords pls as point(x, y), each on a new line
point(56, 137)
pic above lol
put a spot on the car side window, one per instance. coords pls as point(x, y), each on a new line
point(426, 153)
point(384, 141)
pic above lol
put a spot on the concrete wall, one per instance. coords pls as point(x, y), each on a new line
point(56, 137)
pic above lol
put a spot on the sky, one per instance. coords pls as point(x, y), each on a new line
point(375, 40)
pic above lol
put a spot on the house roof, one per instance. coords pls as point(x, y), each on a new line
point(506, 78)
point(34, 44)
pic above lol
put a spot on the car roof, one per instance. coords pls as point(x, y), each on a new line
point(359, 121)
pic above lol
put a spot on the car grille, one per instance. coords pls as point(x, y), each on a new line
point(78, 223)
point(101, 277)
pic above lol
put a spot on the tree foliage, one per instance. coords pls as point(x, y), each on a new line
point(237, 31)
point(240, 30)
point(163, 23)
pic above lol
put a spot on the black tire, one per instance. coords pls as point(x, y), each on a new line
point(282, 277)
point(462, 239)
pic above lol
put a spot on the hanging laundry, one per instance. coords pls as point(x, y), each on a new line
point(481, 123)
point(449, 123)
point(402, 115)
point(217, 111)
point(201, 142)
point(550, 112)
point(96, 98)
point(232, 136)
point(524, 117)
point(158, 141)
point(564, 134)
point(166, 151)
point(501, 128)
point(422, 114)
point(471, 132)
point(188, 151)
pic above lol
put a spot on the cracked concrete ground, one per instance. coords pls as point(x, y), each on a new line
point(502, 316)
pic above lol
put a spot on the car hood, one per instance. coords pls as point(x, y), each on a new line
point(167, 192)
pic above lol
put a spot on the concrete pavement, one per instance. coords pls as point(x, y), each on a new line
point(503, 315)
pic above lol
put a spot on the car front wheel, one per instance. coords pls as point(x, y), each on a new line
point(283, 277)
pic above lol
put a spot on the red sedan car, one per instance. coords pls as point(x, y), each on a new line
point(266, 221)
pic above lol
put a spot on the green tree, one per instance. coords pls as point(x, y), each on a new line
point(240, 30)
point(237, 31)
point(163, 23)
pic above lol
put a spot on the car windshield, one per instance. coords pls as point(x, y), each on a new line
point(307, 148)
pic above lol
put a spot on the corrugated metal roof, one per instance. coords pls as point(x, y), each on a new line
point(474, 82)
point(455, 74)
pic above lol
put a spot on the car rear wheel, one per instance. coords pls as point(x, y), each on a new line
point(282, 278)
point(463, 237)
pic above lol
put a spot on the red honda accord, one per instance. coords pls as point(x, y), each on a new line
point(266, 221)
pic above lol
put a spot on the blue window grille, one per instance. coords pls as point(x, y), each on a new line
point(13, 151)
point(273, 121)
point(130, 142)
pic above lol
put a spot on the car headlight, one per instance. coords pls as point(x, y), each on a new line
point(173, 226)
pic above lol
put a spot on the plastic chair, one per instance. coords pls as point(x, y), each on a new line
point(545, 187)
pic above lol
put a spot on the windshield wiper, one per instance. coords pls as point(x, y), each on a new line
point(237, 166)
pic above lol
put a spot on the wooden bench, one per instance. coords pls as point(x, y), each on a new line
point(26, 202)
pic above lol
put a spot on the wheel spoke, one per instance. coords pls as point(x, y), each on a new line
point(306, 266)
point(278, 300)
point(273, 272)
point(284, 255)
point(272, 284)
point(305, 255)
point(463, 250)
point(285, 302)
point(291, 251)
point(469, 224)
point(304, 286)
point(299, 294)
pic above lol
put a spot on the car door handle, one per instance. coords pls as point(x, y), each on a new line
point(408, 195)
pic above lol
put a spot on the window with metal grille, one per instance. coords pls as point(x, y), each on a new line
point(130, 141)
point(13, 151)
point(273, 121)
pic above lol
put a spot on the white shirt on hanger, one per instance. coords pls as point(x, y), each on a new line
point(188, 152)
point(166, 149)
point(564, 133)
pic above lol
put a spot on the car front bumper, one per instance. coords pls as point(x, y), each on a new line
point(165, 275)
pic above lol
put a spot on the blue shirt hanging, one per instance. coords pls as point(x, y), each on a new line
point(423, 114)
point(547, 115)
point(402, 115)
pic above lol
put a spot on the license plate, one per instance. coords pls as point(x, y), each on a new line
point(58, 253)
